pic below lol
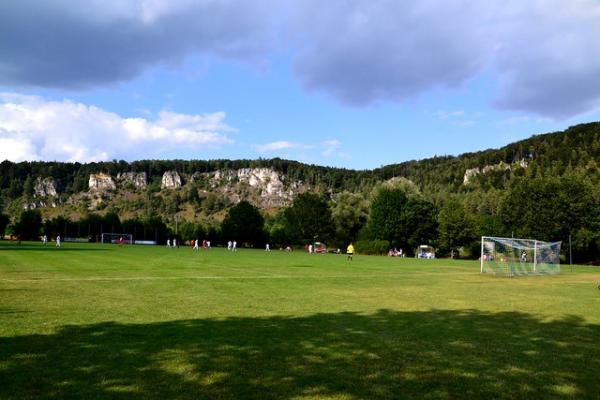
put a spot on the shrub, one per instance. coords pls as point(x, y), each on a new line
point(372, 246)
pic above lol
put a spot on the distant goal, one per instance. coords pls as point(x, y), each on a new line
point(515, 257)
point(117, 238)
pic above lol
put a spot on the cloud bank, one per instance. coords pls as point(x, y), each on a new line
point(66, 44)
point(32, 128)
point(544, 55)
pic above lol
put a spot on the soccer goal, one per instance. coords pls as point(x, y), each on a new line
point(117, 238)
point(511, 257)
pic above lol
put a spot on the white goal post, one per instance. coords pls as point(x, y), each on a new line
point(513, 256)
point(117, 238)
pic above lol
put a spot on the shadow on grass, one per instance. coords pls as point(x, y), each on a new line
point(434, 354)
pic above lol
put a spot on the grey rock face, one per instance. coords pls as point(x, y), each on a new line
point(101, 182)
point(137, 179)
point(45, 187)
point(171, 180)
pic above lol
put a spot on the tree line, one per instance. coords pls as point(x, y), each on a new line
point(392, 215)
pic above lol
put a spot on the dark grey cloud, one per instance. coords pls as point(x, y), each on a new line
point(83, 44)
point(363, 52)
point(548, 58)
point(544, 55)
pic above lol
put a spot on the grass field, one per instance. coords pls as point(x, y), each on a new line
point(97, 322)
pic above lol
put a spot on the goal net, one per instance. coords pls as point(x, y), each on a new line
point(510, 257)
point(117, 238)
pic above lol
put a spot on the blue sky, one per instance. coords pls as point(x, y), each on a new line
point(348, 83)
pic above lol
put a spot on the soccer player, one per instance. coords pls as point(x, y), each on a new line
point(45, 240)
point(229, 244)
point(267, 247)
point(57, 240)
point(350, 252)
point(168, 242)
point(196, 245)
point(234, 246)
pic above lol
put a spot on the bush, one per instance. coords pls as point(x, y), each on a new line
point(372, 246)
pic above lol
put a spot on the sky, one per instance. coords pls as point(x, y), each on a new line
point(348, 83)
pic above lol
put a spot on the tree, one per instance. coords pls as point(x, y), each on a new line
point(420, 218)
point(29, 225)
point(457, 227)
point(244, 224)
point(191, 231)
point(56, 226)
point(275, 228)
point(4, 220)
point(553, 208)
point(308, 219)
point(387, 219)
point(349, 212)
point(28, 189)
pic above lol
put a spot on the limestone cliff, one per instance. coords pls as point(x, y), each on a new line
point(171, 180)
point(101, 182)
point(135, 179)
point(501, 166)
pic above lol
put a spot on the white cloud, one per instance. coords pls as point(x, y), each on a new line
point(326, 148)
point(32, 127)
point(330, 146)
point(276, 146)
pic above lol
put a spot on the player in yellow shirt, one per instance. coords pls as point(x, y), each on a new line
point(350, 251)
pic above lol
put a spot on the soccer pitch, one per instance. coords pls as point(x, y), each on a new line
point(101, 321)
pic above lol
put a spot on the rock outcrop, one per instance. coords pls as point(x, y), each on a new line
point(136, 179)
point(45, 187)
point(171, 180)
point(501, 166)
point(263, 186)
point(101, 182)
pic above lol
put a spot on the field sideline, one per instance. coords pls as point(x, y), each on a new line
point(102, 321)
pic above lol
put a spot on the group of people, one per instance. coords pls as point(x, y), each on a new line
point(195, 244)
point(395, 252)
point(172, 243)
point(320, 248)
point(45, 240)
point(232, 246)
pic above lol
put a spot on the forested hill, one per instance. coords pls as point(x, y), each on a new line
point(546, 187)
point(551, 154)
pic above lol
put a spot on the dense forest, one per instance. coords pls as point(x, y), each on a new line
point(546, 187)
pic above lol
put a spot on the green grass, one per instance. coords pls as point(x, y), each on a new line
point(92, 321)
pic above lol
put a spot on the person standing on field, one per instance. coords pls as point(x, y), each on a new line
point(350, 252)
point(57, 240)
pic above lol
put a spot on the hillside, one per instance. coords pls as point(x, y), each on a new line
point(201, 188)
point(545, 187)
